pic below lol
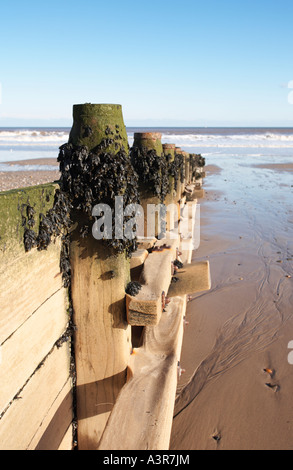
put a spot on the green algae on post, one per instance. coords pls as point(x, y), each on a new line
point(22, 210)
point(93, 122)
point(95, 168)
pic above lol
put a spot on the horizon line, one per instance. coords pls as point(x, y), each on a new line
point(158, 127)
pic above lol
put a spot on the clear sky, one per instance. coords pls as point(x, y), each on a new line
point(167, 62)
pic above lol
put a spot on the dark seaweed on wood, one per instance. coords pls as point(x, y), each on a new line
point(90, 178)
point(52, 224)
point(133, 288)
point(152, 171)
point(196, 161)
point(177, 170)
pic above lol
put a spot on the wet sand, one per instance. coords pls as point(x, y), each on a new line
point(35, 161)
point(21, 179)
point(276, 166)
point(236, 393)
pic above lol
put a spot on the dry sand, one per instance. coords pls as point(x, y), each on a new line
point(226, 399)
point(21, 179)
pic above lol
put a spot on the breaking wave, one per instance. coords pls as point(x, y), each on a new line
point(33, 137)
point(182, 137)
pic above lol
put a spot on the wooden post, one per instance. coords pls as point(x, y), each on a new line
point(149, 141)
point(171, 217)
point(197, 162)
point(187, 173)
point(180, 188)
point(94, 122)
point(98, 280)
point(143, 143)
point(169, 152)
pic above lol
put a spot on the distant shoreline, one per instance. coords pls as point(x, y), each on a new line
point(21, 179)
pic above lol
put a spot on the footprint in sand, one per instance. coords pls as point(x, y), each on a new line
point(217, 436)
point(274, 387)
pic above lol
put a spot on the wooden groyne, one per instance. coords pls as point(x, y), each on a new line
point(36, 405)
point(92, 321)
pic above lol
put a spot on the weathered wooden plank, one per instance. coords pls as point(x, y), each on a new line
point(14, 217)
point(190, 279)
point(103, 338)
point(27, 279)
point(136, 263)
point(66, 443)
point(27, 282)
point(23, 351)
point(146, 243)
point(197, 194)
point(53, 429)
point(143, 412)
point(155, 279)
point(138, 258)
point(22, 419)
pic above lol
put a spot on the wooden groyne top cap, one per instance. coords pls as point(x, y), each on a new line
point(94, 122)
point(147, 135)
point(169, 149)
point(169, 146)
point(149, 141)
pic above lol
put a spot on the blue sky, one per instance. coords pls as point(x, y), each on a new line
point(187, 62)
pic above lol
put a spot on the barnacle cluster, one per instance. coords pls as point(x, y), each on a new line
point(56, 222)
point(133, 288)
point(178, 264)
point(196, 161)
point(87, 178)
point(155, 171)
point(177, 170)
point(52, 224)
point(152, 170)
point(98, 176)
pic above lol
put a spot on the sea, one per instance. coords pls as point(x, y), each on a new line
point(216, 144)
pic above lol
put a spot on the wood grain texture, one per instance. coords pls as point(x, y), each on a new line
point(102, 338)
point(26, 414)
point(143, 412)
point(27, 281)
point(31, 342)
point(146, 307)
point(190, 279)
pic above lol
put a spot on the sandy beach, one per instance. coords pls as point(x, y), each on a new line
point(23, 178)
point(236, 393)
